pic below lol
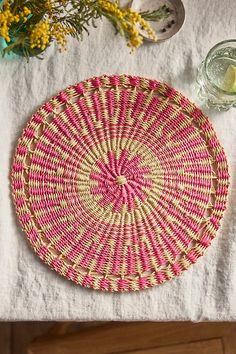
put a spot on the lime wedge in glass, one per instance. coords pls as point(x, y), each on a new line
point(229, 84)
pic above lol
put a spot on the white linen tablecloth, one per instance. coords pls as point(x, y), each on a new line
point(29, 290)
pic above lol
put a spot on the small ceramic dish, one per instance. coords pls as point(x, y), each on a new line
point(167, 27)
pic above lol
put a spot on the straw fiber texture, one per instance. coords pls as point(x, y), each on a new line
point(119, 183)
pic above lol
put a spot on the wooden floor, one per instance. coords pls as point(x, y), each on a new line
point(110, 338)
point(15, 337)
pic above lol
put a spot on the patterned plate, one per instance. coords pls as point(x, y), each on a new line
point(119, 183)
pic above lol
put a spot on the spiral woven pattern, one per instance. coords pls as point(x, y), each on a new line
point(119, 183)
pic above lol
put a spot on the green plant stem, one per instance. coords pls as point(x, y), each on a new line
point(156, 15)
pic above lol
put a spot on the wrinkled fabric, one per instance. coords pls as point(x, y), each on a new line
point(29, 290)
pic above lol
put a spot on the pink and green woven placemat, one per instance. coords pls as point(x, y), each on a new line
point(119, 183)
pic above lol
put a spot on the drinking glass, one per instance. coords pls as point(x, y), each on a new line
point(216, 79)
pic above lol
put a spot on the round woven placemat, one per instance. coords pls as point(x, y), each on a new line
point(119, 183)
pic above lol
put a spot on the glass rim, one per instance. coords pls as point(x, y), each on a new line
point(230, 94)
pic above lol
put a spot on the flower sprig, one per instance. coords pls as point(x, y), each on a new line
point(30, 26)
point(127, 22)
point(40, 35)
point(8, 18)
